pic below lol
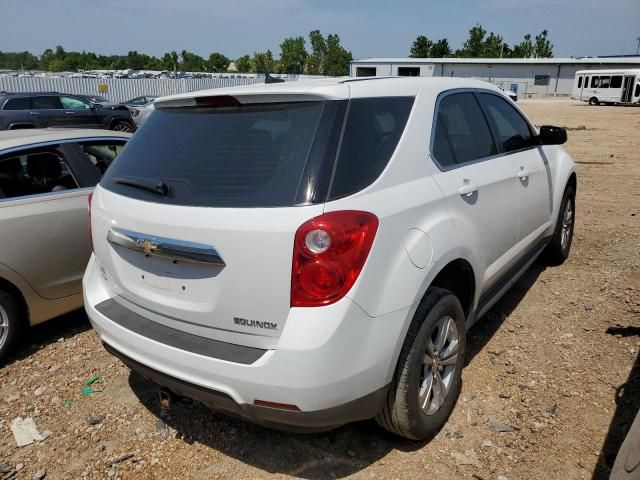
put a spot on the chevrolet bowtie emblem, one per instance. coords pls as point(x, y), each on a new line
point(148, 246)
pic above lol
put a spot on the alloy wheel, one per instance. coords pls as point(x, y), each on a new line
point(439, 365)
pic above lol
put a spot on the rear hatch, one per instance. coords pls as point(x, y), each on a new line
point(193, 224)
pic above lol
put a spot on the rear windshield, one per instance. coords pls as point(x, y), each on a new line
point(270, 155)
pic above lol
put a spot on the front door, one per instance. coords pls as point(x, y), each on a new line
point(517, 141)
point(79, 113)
point(44, 222)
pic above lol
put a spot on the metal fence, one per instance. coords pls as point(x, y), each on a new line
point(119, 89)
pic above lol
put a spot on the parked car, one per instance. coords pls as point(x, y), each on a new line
point(47, 109)
point(142, 114)
point(309, 254)
point(45, 179)
point(141, 101)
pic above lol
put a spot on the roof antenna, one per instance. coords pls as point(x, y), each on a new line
point(268, 78)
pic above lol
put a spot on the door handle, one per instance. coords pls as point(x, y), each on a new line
point(70, 113)
point(523, 174)
point(34, 113)
point(468, 189)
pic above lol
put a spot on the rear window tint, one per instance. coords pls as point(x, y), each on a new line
point(248, 156)
point(372, 131)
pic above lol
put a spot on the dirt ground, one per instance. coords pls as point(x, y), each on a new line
point(557, 359)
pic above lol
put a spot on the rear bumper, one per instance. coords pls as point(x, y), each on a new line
point(319, 420)
point(333, 363)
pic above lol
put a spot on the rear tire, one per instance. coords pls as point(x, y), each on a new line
point(558, 249)
point(10, 324)
point(415, 408)
point(122, 126)
point(593, 101)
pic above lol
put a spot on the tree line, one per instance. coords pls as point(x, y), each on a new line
point(480, 45)
point(326, 57)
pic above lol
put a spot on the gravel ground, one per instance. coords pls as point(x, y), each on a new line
point(555, 363)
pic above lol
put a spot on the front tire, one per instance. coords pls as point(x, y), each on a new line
point(10, 324)
point(122, 126)
point(560, 245)
point(427, 380)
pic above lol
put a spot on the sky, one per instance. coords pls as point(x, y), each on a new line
point(373, 28)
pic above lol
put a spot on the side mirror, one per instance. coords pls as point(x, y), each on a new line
point(550, 135)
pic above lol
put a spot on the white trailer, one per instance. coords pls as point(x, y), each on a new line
point(607, 86)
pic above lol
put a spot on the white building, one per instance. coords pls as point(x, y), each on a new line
point(546, 76)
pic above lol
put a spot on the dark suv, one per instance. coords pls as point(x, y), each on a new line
point(51, 109)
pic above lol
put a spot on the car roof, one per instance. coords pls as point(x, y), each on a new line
point(28, 94)
point(32, 137)
point(330, 89)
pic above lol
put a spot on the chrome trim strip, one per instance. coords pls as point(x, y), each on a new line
point(50, 143)
point(165, 247)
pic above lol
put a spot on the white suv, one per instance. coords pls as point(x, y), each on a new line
point(308, 254)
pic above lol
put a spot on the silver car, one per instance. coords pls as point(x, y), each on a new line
point(46, 177)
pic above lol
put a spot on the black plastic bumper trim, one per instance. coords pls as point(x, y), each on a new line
point(176, 338)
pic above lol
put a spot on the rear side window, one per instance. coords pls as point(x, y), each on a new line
point(45, 103)
point(441, 145)
point(244, 156)
point(511, 129)
point(579, 82)
point(20, 103)
point(466, 128)
point(372, 132)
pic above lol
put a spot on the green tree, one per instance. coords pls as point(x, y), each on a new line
point(243, 64)
point(169, 61)
point(474, 45)
point(293, 55)
point(493, 46)
point(421, 47)
point(263, 62)
point(524, 49)
point(190, 62)
point(316, 60)
point(337, 58)
point(218, 62)
point(441, 49)
point(543, 48)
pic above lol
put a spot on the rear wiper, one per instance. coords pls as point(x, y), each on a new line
point(148, 184)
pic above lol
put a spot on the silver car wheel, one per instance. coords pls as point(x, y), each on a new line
point(567, 225)
point(122, 127)
point(4, 326)
point(438, 365)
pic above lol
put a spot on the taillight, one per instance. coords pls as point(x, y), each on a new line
point(90, 232)
point(328, 254)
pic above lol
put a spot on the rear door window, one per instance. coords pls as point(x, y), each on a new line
point(49, 102)
point(512, 130)
point(466, 128)
point(372, 132)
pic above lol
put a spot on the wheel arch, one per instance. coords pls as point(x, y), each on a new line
point(17, 295)
point(458, 277)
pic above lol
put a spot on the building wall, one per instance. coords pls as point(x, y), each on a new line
point(520, 77)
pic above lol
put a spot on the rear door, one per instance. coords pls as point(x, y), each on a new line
point(46, 110)
point(480, 186)
point(16, 112)
point(517, 141)
point(232, 184)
